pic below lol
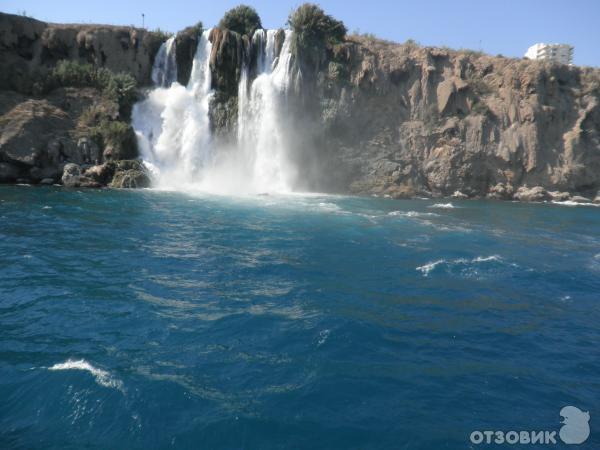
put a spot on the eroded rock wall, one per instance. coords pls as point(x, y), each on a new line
point(403, 120)
point(29, 47)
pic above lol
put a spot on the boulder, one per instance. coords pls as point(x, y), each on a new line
point(130, 174)
point(558, 196)
point(8, 172)
point(534, 194)
point(580, 199)
point(500, 192)
point(102, 173)
point(27, 129)
point(73, 177)
point(459, 195)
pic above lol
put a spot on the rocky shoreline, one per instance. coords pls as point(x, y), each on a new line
point(378, 118)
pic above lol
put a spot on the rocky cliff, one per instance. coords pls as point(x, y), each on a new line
point(53, 114)
point(403, 120)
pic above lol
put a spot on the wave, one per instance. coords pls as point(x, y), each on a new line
point(572, 203)
point(326, 206)
point(102, 377)
point(412, 214)
point(465, 265)
point(443, 206)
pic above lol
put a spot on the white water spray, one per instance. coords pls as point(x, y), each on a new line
point(173, 126)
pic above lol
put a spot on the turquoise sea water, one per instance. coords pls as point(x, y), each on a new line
point(145, 319)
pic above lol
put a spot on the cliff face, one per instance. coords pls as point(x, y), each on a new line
point(44, 126)
point(29, 47)
point(403, 120)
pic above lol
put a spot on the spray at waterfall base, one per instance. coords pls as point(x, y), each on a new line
point(174, 130)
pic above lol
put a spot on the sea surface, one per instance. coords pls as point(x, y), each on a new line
point(151, 319)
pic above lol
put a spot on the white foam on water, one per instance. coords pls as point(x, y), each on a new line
point(102, 377)
point(572, 203)
point(443, 206)
point(323, 336)
point(326, 206)
point(412, 214)
point(429, 267)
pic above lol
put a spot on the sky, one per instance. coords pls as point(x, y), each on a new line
point(506, 27)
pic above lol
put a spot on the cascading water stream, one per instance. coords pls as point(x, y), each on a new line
point(164, 71)
point(261, 130)
point(173, 125)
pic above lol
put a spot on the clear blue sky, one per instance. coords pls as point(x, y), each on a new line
point(502, 26)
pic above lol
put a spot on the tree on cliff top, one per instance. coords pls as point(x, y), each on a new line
point(242, 19)
point(314, 34)
point(313, 28)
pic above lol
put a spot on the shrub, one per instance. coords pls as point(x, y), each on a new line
point(90, 117)
point(122, 88)
point(315, 35)
point(119, 87)
point(411, 43)
point(117, 138)
point(242, 19)
point(71, 73)
point(312, 27)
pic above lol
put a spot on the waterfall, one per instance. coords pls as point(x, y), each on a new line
point(164, 71)
point(261, 114)
point(172, 124)
point(173, 128)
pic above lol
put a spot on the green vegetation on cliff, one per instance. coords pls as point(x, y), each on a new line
point(314, 33)
point(119, 87)
point(242, 19)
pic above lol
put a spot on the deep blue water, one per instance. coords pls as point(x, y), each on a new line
point(144, 319)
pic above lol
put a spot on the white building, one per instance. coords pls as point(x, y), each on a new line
point(560, 53)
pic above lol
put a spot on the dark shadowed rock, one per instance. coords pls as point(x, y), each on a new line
point(8, 172)
point(186, 44)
